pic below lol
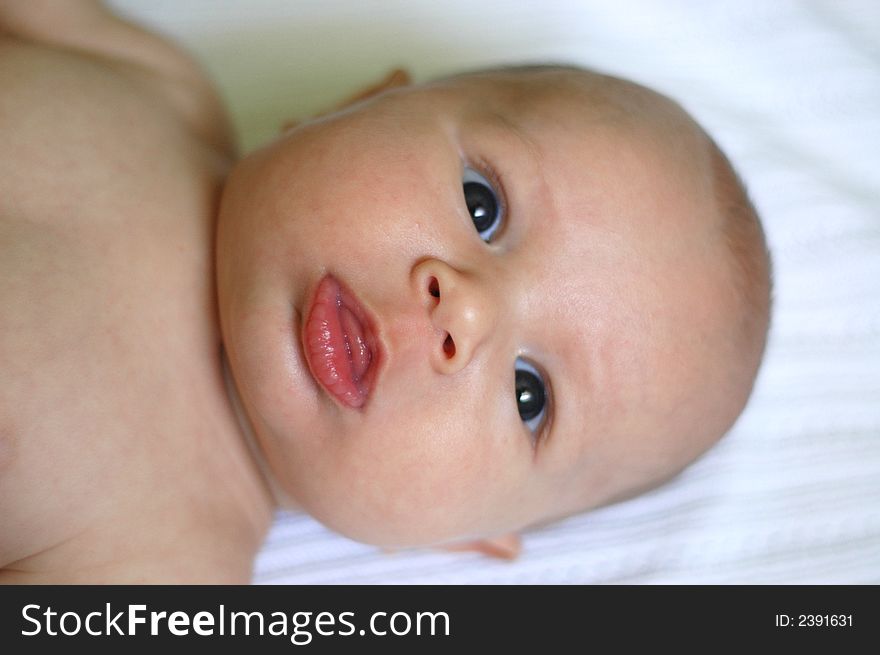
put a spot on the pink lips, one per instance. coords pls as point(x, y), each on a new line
point(340, 343)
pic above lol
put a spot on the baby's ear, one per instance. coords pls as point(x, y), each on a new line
point(506, 546)
point(396, 78)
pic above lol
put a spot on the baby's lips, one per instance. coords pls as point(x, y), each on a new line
point(358, 350)
point(340, 344)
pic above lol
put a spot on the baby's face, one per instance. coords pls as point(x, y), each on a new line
point(459, 309)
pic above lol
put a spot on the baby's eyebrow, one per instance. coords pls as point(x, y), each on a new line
point(517, 130)
point(534, 153)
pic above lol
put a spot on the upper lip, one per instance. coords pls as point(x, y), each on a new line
point(323, 359)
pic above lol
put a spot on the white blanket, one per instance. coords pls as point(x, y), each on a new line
point(791, 90)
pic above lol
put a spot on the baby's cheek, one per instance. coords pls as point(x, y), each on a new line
point(411, 487)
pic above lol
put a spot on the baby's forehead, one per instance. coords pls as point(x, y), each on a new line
point(523, 93)
point(571, 102)
point(537, 100)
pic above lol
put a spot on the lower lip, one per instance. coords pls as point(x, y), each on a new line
point(340, 344)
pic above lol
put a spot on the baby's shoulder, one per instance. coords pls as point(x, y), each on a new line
point(92, 32)
point(108, 343)
point(83, 135)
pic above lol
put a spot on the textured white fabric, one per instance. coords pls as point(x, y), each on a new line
point(791, 90)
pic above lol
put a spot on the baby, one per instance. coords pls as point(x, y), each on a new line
point(435, 316)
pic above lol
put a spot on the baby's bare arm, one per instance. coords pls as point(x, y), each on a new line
point(88, 27)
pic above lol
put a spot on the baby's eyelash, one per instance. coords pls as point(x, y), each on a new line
point(544, 434)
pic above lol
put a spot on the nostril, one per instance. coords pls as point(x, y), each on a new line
point(434, 287)
point(449, 346)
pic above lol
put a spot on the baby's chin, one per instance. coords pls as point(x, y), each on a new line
point(386, 528)
point(415, 531)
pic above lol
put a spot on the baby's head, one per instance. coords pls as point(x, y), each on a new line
point(457, 309)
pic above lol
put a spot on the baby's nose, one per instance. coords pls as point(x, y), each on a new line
point(461, 309)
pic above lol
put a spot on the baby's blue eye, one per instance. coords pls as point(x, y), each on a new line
point(531, 395)
point(482, 203)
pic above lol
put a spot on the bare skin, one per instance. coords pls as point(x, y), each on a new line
point(120, 456)
point(123, 457)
